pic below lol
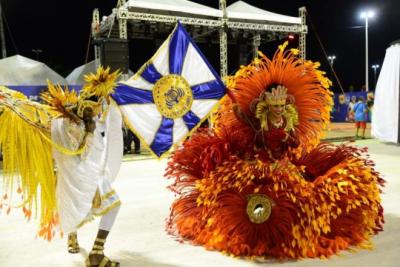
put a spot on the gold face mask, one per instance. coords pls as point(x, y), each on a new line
point(86, 100)
point(84, 105)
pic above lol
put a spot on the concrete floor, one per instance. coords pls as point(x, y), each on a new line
point(138, 237)
point(345, 130)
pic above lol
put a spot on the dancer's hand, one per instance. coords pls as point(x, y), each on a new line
point(90, 126)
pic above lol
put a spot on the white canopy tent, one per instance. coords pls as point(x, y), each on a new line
point(19, 71)
point(242, 11)
point(27, 76)
point(385, 116)
point(238, 10)
point(77, 76)
point(173, 6)
point(142, 18)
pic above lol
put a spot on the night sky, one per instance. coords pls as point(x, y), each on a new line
point(61, 29)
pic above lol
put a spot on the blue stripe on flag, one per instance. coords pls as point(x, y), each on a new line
point(125, 95)
point(209, 90)
point(181, 28)
point(177, 50)
point(191, 119)
point(163, 139)
point(151, 74)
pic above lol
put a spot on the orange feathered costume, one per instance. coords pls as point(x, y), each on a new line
point(315, 200)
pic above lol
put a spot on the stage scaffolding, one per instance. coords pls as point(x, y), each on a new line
point(126, 24)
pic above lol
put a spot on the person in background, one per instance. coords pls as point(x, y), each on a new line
point(127, 139)
point(129, 136)
point(370, 106)
point(360, 115)
point(350, 112)
point(136, 142)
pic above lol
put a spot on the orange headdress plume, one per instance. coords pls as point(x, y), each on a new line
point(304, 82)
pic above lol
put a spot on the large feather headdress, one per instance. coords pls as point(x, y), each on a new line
point(306, 85)
point(67, 103)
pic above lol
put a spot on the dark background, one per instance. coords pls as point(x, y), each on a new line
point(62, 29)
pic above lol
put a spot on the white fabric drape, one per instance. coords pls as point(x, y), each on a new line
point(385, 116)
point(114, 141)
point(78, 177)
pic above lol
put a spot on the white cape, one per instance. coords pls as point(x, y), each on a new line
point(78, 177)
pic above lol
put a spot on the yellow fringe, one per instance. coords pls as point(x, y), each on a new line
point(28, 163)
point(64, 150)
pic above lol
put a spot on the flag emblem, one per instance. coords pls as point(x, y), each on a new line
point(170, 96)
point(173, 96)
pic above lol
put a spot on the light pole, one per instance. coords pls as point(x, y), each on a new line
point(331, 59)
point(375, 67)
point(2, 36)
point(366, 15)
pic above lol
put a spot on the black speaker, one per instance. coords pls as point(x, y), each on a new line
point(114, 53)
point(243, 54)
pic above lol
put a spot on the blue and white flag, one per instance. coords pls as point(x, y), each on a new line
point(171, 94)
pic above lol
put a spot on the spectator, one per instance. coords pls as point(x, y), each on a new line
point(370, 106)
point(128, 138)
point(350, 112)
point(136, 142)
point(360, 115)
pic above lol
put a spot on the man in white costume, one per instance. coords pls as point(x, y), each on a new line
point(84, 181)
point(83, 135)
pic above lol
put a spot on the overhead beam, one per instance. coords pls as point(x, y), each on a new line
point(129, 15)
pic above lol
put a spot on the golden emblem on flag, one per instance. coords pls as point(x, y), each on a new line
point(173, 96)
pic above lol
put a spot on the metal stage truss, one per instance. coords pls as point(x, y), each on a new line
point(127, 24)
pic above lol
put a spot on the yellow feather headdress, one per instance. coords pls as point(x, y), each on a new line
point(61, 100)
point(67, 103)
point(97, 88)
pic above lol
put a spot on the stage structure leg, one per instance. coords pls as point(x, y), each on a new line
point(223, 40)
point(95, 29)
point(303, 33)
point(123, 34)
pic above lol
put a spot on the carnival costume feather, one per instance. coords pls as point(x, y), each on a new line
point(253, 188)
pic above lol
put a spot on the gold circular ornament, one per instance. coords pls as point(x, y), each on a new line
point(342, 99)
point(259, 208)
point(173, 96)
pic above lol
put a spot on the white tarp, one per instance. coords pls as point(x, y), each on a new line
point(385, 116)
point(19, 70)
point(77, 76)
point(182, 6)
point(243, 11)
point(236, 11)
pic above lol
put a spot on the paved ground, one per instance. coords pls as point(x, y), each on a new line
point(345, 130)
point(139, 239)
